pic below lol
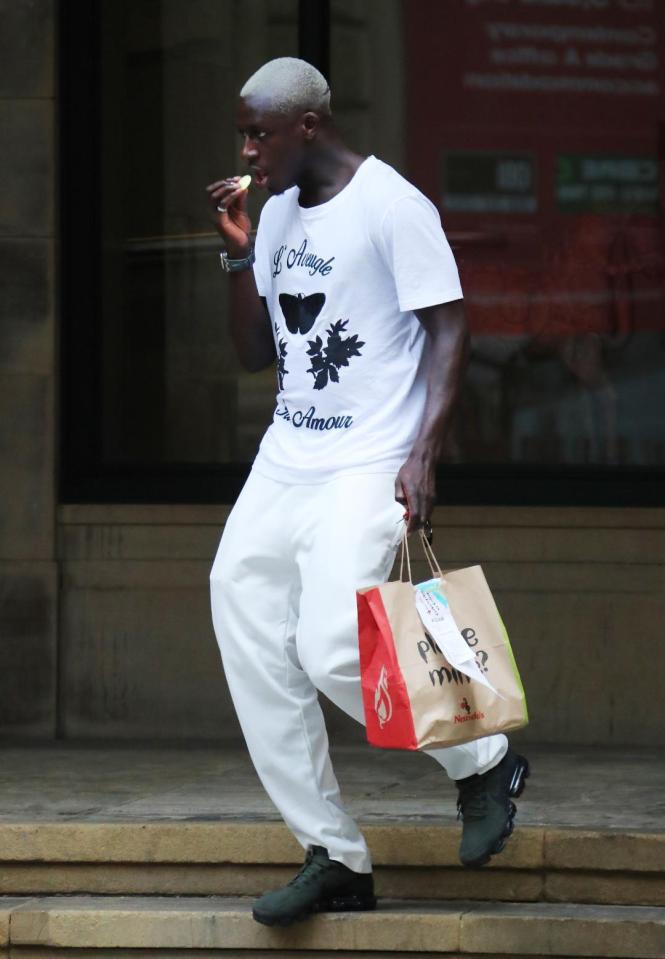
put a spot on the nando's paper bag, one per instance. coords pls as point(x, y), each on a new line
point(413, 697)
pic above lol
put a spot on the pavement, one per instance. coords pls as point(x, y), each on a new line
point(578, 787)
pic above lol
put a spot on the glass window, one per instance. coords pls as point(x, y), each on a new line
point(534, 125)
point(171, 388)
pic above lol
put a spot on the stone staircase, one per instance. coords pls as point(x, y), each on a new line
point(223, 927)
point(179, 888)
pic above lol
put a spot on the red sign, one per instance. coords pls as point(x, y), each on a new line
point(537, 128)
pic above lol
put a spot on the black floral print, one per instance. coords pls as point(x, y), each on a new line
point(281, 359)
point(326, 361)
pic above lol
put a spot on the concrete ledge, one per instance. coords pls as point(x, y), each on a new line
point(524, 929)
point(620, 888)
point(205, 879)
point(426, 845)
point(230, 842)
point(169, 842)
point(418, 883)
point(7, 907)
point(217, 924)
point(565, 930)
point(48, 952)
point(31, 952)
point(609, 849)
point(270, 843)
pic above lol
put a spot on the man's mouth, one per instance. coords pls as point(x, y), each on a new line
point(260, 177)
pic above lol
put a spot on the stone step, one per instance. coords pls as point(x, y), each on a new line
point(416, 861)
point(224, 927)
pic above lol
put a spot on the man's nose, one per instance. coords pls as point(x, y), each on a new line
point(248, 150)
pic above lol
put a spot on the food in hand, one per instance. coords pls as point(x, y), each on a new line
point(244, 182)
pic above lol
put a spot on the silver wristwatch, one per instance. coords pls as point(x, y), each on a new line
point(234, 266)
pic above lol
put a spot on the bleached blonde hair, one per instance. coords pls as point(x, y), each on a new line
point(288, 85)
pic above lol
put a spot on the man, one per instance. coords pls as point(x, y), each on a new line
point(355, 291)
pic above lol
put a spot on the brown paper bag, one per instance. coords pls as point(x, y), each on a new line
point(413, 697)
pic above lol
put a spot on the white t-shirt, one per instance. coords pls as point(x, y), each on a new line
point(341, 281)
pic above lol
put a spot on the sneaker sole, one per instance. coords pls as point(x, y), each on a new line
point(336, 904)
point(521, 773)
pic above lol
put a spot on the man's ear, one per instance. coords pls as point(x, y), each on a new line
point(310, 123)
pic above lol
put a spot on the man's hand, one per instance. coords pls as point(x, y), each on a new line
point(250, 324)
point(415, 488)
point(228, 203)
point(447, 346)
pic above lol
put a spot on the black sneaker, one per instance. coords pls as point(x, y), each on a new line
point(484, 804)
point(322, 885)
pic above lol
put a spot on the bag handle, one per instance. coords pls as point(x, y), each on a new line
point(429, 555)
point(432, 561)
point(404, 551)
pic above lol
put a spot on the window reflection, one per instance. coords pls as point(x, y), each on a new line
point(535, 125)
point(172, 390)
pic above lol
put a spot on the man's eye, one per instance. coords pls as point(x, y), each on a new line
point(255, 135)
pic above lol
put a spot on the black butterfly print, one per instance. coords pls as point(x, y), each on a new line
point(300, 311)
point(329, 359)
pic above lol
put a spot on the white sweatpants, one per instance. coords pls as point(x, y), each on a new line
point(284, 610)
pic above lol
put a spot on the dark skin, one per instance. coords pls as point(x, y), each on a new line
point(304, 149)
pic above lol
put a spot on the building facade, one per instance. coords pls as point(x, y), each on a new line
point(128, 427)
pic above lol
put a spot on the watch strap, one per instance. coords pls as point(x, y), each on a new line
point(234, 266)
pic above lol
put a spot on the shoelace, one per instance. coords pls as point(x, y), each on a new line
point(310, 870)
point(472, 799)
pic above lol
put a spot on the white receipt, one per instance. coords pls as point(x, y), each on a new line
point(437, 619)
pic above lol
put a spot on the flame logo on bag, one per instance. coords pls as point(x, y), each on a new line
point(382, 702)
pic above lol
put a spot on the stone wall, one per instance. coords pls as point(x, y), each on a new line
point(579, 589)
point(28, 572)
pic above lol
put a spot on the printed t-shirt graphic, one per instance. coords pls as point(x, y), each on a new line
point(341, 281)
point(329, 359)
point(301, 311)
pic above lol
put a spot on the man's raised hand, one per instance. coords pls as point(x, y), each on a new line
point(228, 204)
